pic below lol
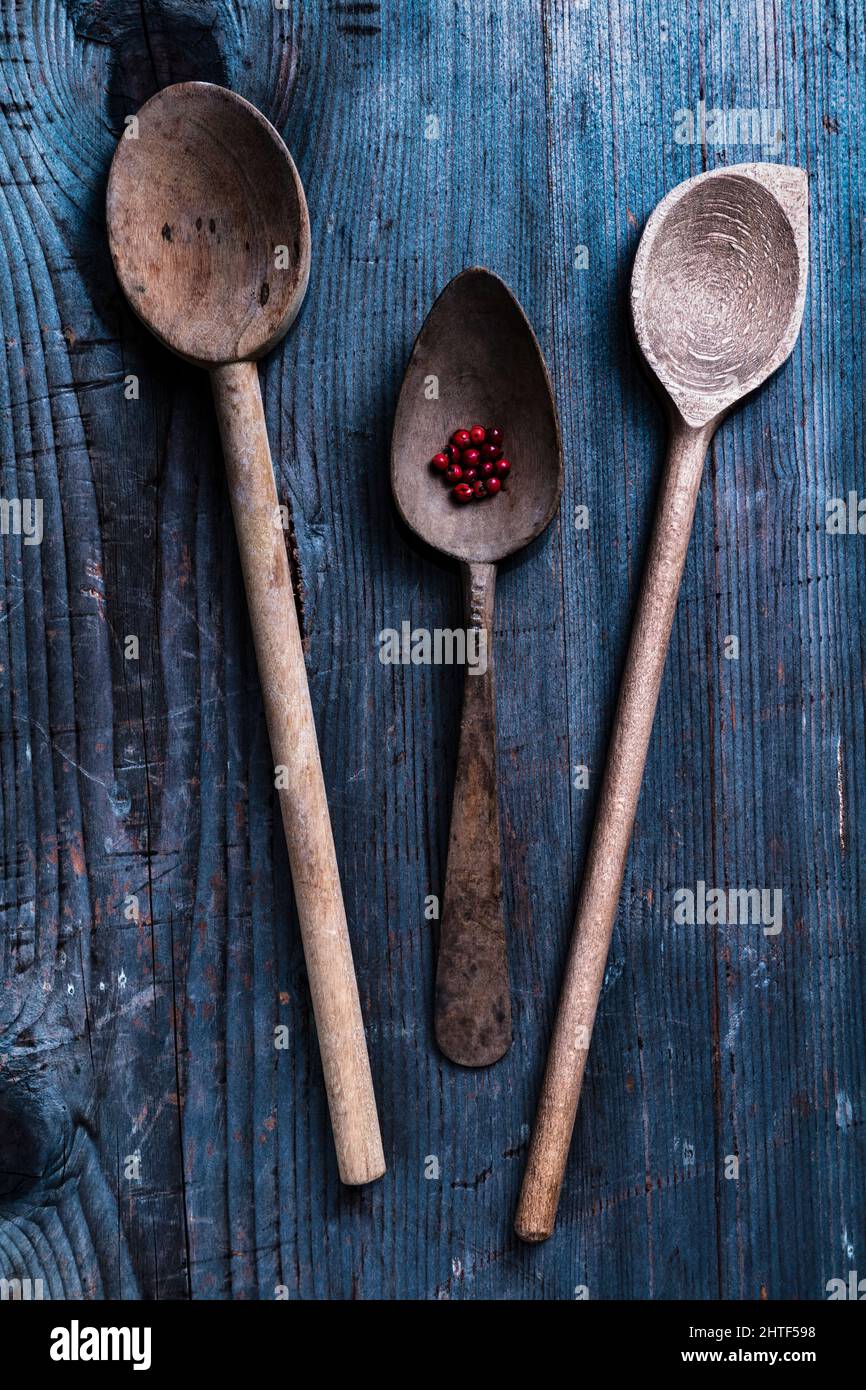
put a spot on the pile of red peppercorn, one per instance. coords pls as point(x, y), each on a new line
point(472, 463)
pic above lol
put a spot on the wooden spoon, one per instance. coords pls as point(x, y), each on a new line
point(210, 236)
point(717, 298)
point(476, 360)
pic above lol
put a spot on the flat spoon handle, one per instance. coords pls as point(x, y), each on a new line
point(611, 836)
point(295, 751)
point(473, 1005)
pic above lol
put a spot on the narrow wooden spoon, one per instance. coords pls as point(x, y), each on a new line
point(479, 348)
point(210, 236)
point(717, 296)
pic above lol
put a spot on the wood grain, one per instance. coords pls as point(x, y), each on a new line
point(153, 777)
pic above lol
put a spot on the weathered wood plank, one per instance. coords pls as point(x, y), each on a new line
point(720, 1043)
point(151, 777)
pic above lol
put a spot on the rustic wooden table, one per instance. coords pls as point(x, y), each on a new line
point(163, 1132)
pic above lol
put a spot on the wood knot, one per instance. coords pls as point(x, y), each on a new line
point(35, 1137)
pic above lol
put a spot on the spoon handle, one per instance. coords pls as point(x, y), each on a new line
point(473, 1006)
point(611, 836)
point(298, 772)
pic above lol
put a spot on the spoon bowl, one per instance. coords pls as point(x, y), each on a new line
point(476, 361)
point(719, 284)
point(208, 225)
point(478, 345)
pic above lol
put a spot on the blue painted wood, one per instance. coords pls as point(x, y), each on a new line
point(154, 1142)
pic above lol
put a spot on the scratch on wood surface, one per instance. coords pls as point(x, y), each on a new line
point(840, 790)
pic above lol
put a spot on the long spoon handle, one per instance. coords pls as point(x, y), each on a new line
point(298, 773)
point(473, 1005)
point(611, 836)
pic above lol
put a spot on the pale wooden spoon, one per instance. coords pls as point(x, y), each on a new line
point(717, 296)
point(210, 237)
point(478, 347)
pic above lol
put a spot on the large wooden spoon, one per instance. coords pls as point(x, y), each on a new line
point(476, 359)
point(210, 237)
point(717, 298)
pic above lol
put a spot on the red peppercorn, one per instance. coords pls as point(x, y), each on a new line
point(488, 468)
point(479, 489)
point(461, 438)
point(491, 451)
point(463, 492)
point(471, 458)
point(440, 462)
point(454, 473)
point(470, 474)
point(477, 434)
point(503, 467)
point(494, 436)
point(493, 485)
